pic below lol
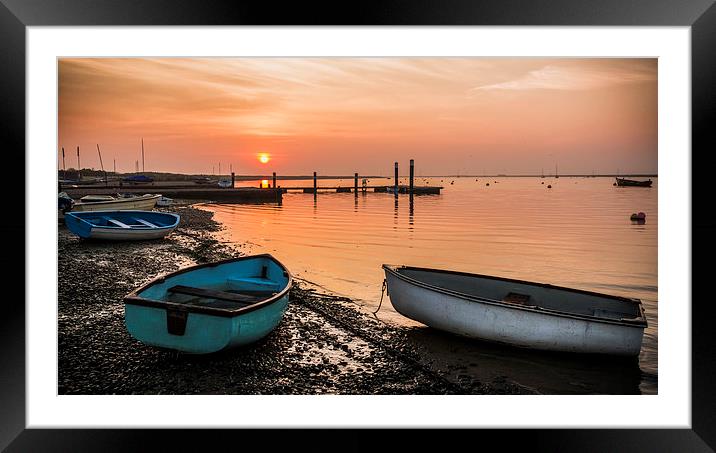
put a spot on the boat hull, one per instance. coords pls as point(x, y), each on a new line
point(496, 322)
point(632, 183)
point(113, 234)
point(148, 316)
point(87, 225)
point(120, 204)
point(204, 333)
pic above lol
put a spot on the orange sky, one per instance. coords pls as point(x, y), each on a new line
point(341, 115)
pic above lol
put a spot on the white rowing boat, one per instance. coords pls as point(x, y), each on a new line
point(143, 202)
point(515, 312)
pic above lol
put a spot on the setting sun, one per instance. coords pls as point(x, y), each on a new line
point(263, 158)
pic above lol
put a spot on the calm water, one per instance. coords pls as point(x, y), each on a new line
point(576, 234)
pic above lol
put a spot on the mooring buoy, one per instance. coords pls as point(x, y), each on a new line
point(639, 216)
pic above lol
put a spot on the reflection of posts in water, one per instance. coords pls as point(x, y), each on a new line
point(315, 187)
point(411, 208)
point(395, 210)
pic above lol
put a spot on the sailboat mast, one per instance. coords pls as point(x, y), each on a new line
point(100, 157)
point(142, 154)
point(101, 164)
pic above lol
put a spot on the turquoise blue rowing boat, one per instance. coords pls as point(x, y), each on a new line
point(210, 307)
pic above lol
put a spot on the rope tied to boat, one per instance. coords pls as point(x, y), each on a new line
point(382, 292)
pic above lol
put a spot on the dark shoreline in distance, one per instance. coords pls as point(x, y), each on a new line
point(180, 176)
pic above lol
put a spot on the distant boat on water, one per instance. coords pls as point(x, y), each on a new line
point(623, 182)
point(204, 180)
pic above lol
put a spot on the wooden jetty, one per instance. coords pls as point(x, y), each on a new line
point(236, 195)
point(417, 190)
point(396, 189)
point(271, 194)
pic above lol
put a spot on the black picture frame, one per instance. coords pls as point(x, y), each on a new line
point(699, 15)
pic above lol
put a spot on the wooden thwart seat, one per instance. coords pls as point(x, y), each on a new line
point(144, 222)
point(117, 222)
point(240, 299)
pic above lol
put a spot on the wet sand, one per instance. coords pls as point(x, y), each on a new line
point(324, 344)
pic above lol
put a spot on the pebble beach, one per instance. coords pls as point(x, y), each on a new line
point(325, 344)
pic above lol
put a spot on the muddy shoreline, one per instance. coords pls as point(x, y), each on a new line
point(323, 345)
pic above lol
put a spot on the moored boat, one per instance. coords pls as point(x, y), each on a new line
point(210, 307)
point(623, 182)
point(121, 225)
point(64, 204)
point(516, 312)
point(138, 179)
point(96, 198)
point(143, 202)
point(165, 201)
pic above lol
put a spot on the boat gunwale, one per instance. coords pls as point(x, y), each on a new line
point(639, 321)
point(144, 228)
point(134, 299)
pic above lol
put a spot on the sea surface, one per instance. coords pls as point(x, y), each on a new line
point(578, 234)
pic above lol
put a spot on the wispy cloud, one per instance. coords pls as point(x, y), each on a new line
point(228, 108)
point(569, 78)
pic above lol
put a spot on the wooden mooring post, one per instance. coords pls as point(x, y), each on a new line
point(412, 174)
point(315, 185)
point(355, 184)
point(396, 179)
point(274, 180)
point(233, 179)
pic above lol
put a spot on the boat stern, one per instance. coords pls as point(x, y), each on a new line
point(78, 225)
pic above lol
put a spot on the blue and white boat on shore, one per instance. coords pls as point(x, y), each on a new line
point(121, 225)
point(210, 307)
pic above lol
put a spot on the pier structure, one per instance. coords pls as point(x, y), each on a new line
point(231, 195)
point(396, 188)
point(270, 194)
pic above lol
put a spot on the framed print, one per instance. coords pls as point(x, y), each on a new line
point(524, 134)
